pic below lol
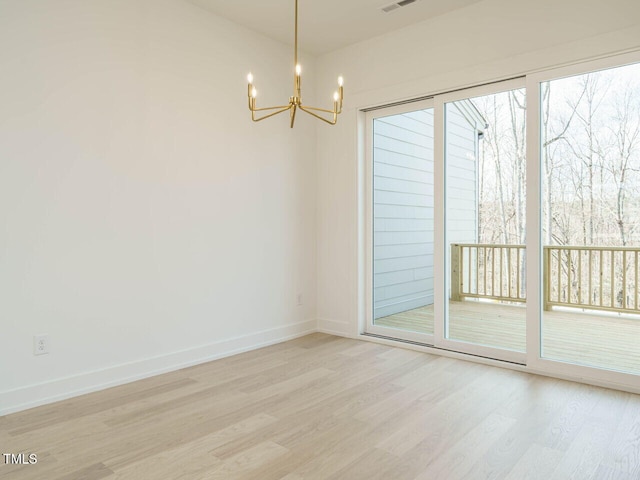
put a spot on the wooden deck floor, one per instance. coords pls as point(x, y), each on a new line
point(599, 340)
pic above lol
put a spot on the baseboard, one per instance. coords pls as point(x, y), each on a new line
point(333, 327)
point(60, 389)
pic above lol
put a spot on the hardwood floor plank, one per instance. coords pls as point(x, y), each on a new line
point(191, 453)
point(446, 422)
point(323, 407)
point(537, 463)
point(532, 425)
point(92, 403)
point(585, 454)
point(369, 466)
point(458, 461)
point(345, 446)
point(203, 394)
point(623, 454)
point(246, 461)
point(605, 472)
point(315, 444)
point(571, 417)
point(82, 431)
point(92, 472)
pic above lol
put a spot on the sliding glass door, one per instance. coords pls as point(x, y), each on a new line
point(402, 229)
point(484, 221)
point(503, 221)
point(590, 169)
point(461, 286)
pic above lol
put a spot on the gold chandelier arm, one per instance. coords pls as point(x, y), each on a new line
point(330, 122)
point(320, 109)
point(283, 109)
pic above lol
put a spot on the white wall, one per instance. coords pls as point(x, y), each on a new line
point(495, 39)
point(145, 221)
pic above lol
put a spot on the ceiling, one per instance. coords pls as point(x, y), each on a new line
point(326, 25)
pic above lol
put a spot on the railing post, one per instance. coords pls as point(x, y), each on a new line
point(546, 273)
point(456, 272)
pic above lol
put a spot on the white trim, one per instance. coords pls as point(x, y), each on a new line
point(482, 90)
point(60, 389)
point(581, 68)
point(440, 305)
point(368, 221)
point(433, 85)
point(362, 223)
point(533, 216)
point(334, 327)
point(399, 109)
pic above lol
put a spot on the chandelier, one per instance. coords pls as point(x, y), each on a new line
point(295, 101)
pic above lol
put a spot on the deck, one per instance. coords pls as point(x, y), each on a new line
point(600, 339)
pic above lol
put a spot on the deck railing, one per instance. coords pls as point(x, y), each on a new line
point(488, 271)
point(595, 278)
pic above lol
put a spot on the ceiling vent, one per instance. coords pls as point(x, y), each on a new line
point(396, 5)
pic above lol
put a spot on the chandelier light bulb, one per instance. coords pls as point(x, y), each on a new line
point(254, 92)
point(340, 81)
point(335, 96)
point(250, 78)
point(298, 69)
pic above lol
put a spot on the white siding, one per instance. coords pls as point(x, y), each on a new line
point(461, 176)
point(403, 205)
point(461, 153)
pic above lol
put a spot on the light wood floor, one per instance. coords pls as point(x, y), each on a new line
point(329, 408)
point(599, 340)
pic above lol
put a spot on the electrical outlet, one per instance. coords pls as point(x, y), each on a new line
point(299, 299)
point(40, 344)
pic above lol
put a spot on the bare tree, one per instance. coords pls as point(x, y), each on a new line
point(626, 139)
point(554, 136)
point(590, 166)
point(517, 111)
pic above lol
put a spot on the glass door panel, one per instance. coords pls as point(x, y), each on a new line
point(485, 180)
point(403, 223)
point(590, 168)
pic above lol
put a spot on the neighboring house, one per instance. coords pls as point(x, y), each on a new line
point(404, 200)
